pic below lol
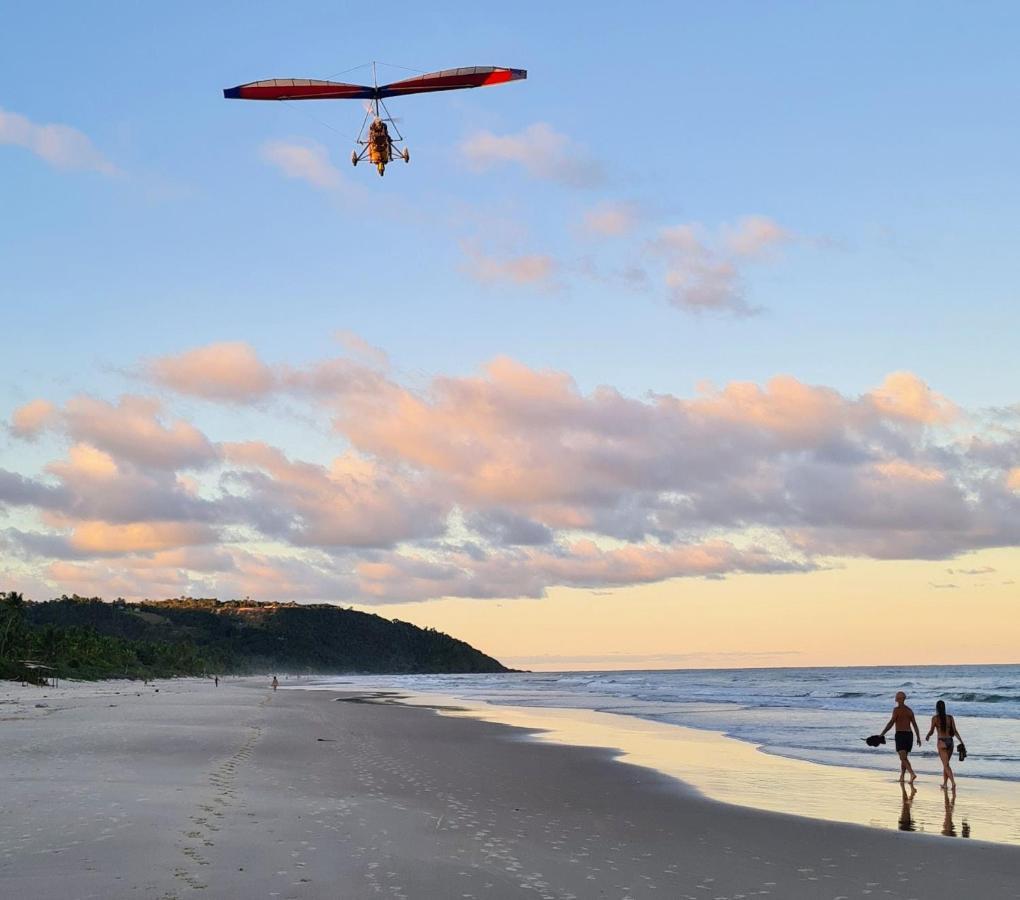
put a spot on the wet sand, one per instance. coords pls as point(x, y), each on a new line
point(238, 792)
point(737, 772)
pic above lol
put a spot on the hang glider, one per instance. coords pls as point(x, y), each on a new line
point(310, 89)
point(379, 146)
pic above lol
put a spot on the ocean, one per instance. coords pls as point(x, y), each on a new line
point(816, 714)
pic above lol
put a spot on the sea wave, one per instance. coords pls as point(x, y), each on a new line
point(970, 697)
point(814, 714)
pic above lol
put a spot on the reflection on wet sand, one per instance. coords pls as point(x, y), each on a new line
point(906, 822)
point(948, 827)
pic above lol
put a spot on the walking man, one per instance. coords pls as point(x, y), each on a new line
point(903, 718)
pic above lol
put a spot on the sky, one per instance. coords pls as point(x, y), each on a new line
point(696, 348)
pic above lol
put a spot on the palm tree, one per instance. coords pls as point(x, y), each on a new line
point(12, 613)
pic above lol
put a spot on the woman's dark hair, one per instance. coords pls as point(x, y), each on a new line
point(940, 709)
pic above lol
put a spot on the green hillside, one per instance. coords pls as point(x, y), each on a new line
point(88, 638)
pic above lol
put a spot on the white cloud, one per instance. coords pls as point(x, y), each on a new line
point(306, 160)
point(703, 271)
point(62, 146)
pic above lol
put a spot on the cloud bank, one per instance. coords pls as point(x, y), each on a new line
point(502, 483)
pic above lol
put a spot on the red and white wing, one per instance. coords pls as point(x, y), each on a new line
point(452, 80)
point(298, 89)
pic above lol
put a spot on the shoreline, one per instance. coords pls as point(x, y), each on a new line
point(732, 771)
point(239, 792)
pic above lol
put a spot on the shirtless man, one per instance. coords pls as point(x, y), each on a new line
point(903, 719)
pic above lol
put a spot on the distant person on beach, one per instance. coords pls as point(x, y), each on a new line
point(276, 684)
point(216, 680)
point(903, 718)
point(945, 725)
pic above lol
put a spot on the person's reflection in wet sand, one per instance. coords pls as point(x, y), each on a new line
point(906, 819)
point(948, 828)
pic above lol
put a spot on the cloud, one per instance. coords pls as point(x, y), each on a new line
point(505, 528)
point(230, 370)
point(707, 286)
point(540, 150)
point(703, 271)
point(362, 350)
point(134, 430)
point(501, 483)
point(61, 146)
point(355, 502)
point(19, 490)
point(529, 571)
point(104, 538)
point(94, 485)
point(32, 418)
point(612, 219)
point(753, 236)
point(902, 395)
point(306, 161)
point(526, 269)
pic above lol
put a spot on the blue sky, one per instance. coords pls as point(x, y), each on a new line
point(880, 135)
point(845, 171)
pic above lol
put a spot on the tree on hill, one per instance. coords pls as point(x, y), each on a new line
point(85, 637)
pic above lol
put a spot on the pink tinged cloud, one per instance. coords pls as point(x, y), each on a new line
point(534, 476)
point(904, 396)
point(29, 420)
point(61, 146)
point(534, 269)
point(134, 430)
point(103, 538)
point(355, 502)
point(361, 350)
point(753, 237)
point(703, 271)
point(230, 371)
point(612, 219)
point(542, 151)
point(707, 286)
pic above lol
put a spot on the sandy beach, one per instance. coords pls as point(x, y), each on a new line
point(117, 790)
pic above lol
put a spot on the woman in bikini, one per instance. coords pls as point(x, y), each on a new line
point(945, 725)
